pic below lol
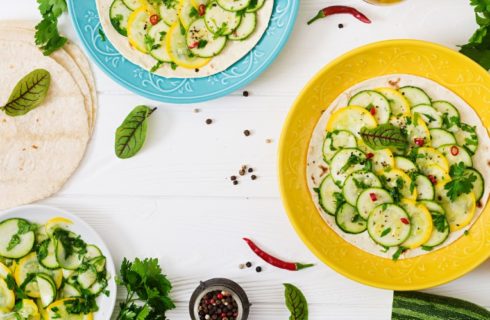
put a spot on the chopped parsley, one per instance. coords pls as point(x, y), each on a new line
point(398, 253)
point(461, 183)
point(385, 232)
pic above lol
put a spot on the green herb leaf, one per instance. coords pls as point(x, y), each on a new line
point(426, 248)
point(440, 222)
point(47, 36)
point(131, 135)
point(28, 93)
point(461, 183)
point(398, 252)
point(102, 35)
point(385, 232)
point(384, 136)
point(296, 302)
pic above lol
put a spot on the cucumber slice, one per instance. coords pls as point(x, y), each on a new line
point(98, 286)
point(8, 315)
point(448, 111)
point(351, 118)
point(72, 261)
point(420, 221)
point(415, 95)
point(337, 140)
point(382, 160)
point(398, 104)
point(478, 184)
point(157, 42)
point(7, 297)
point(405, 165)
point(427, 156)
point(425, 188)
point(345, 162)
point(69, 291)
point(178, 50)
point(349, 220)
point(41, 234)
point(4, 271)
point(27, 309)
point(119, 14)
point(169, 11)
point(47, 289)
point(57, 223)
point(46, 253)
point(57, 310)
point(441, 137)
point(431, 116)
point(132, 4)
point(138, 24)
point(16, 239)
point(219, 21)
point(395, 178)
point(187, 13)
point(202, 42)
point(385, 225)
point(234, 5)
point(246, 27)
point(433, 206)
point(92, 252)
point(435, 171)
point(30, 265)
point(372, 99)
point(417, 129)
point(370, 199)
point(98, 263)
point(455, 154)
point(459, 212)
point(255, 5)
point(466, 137)
point(440, 232)
point(356, 183)
point(87, 278)
point(327, 195)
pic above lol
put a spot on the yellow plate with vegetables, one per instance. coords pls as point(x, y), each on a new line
point(383, 162)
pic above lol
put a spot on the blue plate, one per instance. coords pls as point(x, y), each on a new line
point(86, 20)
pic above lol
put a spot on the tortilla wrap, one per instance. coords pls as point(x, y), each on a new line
point(233, 51)
point(436, 92)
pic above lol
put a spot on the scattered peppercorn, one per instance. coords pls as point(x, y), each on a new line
point(218, 305)
point(250, 170)
point(241, 266)
point(241, 172)
point(235, 182)
point(253, 177)
point(197, 70)
point(341, 25)
point(209, 121)
point(197, 110)
point(246, 93)
point(233, 178)
point(246, 133)
point(258, 269)
point(268, 140)
point(248, 264)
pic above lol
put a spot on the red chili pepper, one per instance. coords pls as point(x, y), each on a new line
point(405, 221)
point(154, 18)
point(194, 45)
point(372, 111)
point(202, 10)
point(292, 266)
point(328, 11)
point(432, 179)
point(419, 141)
point(370, 155)
point(454, 150)
point(373, 196)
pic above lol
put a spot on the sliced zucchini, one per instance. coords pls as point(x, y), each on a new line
point(7, 297)
point(57, 223)
point(440, 231)
point(351, 118)
point(187, 13)
point(433, 206)
point(425, 188)
point(27, 309)
point(98, 286)
point(456, 154)
point(119, 14)
point(448, 111)
point(478, 184)
point(92, 252)
point(372, 99)
point(69, 291)
point(16, 238)
point(345, 162)
point(459, 212)
point(415, 95)
point(466, 137)
point(427, 156)
point(72, 261)
point(356, 182)
point(398, 104)
point(47, 289)
point(233, 5)
point(157, 44)
point(395, 178)
point(221, 22)
point(431, 116)
point(169, 11)
point(441, 137)
point(178, 50)
point(436, 173)
point(30, 265)
point(246, 27)
point(382, 160)
point(400, 121)
point(202, 42)
point(88, 277)
point(138, 24)
point(327, 195)
point(405, 165)
point(133, 4)
point(41, 234)
point(417, 129)
point(421, 223)
point(58, 310)
point(349, 220)
point(46, 253)
point(337, 140)
point(98, 263)
point(386, 225)
point(370, 199)
point(4, 271)
point(255, 5)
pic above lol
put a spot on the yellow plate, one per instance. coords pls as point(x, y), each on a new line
point(440, 64)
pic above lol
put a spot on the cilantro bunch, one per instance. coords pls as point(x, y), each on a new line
point(47, 37)
point(478, 46)
point(147, 291)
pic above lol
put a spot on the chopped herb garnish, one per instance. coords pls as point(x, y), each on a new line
point(398, 252)
point(385, 232)
point(461, 182)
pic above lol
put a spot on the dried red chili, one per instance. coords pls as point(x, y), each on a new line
point(405, 221)
point(328, 11)
point(292, 266)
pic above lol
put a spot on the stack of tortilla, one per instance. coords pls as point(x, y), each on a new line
point(39, 151)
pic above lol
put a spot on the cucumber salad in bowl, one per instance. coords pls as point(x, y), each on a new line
point(184, 38)
point(397, 166)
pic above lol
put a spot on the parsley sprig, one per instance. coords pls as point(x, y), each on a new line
point(478, 46)
point(147, 291)
point(47, 37)
point(462, 181)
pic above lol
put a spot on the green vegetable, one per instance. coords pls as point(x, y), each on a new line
point(296, 303)
point(398, 253)
point(23, 228)
point(461, 183)
point(421, 306)
point(440, 222)
point(28, 93)
point(47, 36)
point(384, 136)
point(131, 135)
point(147, 290)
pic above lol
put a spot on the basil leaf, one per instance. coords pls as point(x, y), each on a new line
point(28, 93)
point(384, 136)
point(131, 135)
point(296, 303)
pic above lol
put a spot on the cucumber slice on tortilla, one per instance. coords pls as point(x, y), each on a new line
point(415, 95)
point(132, 4)
point(202, 42)
point(246, 28)
point(430, 115)
point(221, 22)
point(119, 14)
point(372, 99)
point(327, 195)
point(349, 220)
point(157, 38)
point(169, 11)
point(440, 137)
point(255, 5)
point(387, 225)
point(233, 5)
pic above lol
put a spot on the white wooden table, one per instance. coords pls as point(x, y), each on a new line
point(174, 200)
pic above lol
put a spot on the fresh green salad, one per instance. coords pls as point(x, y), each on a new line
point(400, 168)
point(48, 271)
point(185, 33)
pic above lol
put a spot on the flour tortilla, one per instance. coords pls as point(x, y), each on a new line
point(233, 51)
point(436, 92)
point(70, 57)
point(40, 150)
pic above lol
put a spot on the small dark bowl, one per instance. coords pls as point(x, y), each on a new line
point(234, 288)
